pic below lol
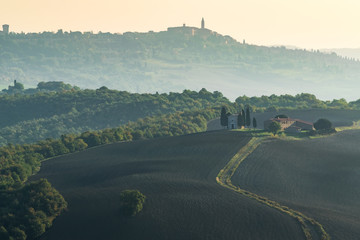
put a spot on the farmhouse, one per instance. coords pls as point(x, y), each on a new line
point(289, 124)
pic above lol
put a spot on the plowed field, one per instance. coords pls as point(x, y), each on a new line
point(177, 175)
point(318, 177)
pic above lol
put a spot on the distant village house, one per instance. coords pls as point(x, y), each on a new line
point(290, 125)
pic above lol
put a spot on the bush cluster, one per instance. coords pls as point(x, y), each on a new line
point(28, 211)
point(131, 202)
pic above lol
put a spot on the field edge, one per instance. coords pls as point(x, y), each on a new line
point(309, 226)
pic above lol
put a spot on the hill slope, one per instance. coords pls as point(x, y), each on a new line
point(172, 61)
point(318, 177)
point(178, 177)
point(30, 118)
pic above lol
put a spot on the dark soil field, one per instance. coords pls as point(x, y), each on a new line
point(338, 117)
point(177, 175)
point(319, 177)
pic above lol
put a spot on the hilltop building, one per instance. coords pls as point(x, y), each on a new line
point(193, 31)
point(5, 30)
point(290, 125)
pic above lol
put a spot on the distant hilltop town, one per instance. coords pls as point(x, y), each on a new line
point(5, 30)
point(193, 30)
point(184, 30)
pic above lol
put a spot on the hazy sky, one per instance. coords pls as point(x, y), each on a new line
point(304, 23)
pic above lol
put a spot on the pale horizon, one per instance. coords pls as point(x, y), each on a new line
point(304, 24)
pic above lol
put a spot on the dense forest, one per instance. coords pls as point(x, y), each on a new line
point(171, 60)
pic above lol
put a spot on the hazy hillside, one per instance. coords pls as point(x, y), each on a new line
point(34, 117)
point(345, 52)
point(172, 61)
point(29, 115)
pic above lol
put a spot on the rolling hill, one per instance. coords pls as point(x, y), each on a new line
point(177, 175)
point(27, 118)
point(173, 60)
point(318, 177)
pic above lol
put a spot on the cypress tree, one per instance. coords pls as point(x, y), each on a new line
point(247, 119)
point(223, 117)
point(243, 117)
point(254, 123)
point(240, 120)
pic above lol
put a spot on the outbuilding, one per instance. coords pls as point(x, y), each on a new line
point(232, 122)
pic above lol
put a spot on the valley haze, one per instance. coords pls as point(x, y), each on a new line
point(179, 120)
point(182, 57)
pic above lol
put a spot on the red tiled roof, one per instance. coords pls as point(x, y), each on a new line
point(298, 120)
point(290, 119)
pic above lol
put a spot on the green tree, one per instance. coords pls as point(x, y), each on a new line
point(274, 127)
point(131, 202)
point(254, 123)
point(243, 115)
point(18, 86)
point(223, 117)
point(247, 119)
point(322, 124)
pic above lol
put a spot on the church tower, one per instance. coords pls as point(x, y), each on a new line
point(202, 23)
point(5, 29)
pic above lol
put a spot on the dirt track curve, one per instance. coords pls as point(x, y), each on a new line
point(312, 229)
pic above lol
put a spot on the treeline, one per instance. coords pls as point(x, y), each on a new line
point(30, 118)
point(289, 102)
point(53, 86)
point(27, 210)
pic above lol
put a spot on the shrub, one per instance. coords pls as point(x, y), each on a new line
point(322, 123)
point(274, 127)
point(131, 202)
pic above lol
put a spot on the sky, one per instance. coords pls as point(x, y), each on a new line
point(311, 24)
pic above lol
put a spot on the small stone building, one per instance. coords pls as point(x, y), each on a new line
point(232, 122)
point(289, 124)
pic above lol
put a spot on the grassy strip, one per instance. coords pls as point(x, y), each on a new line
point(224, 179)
point(356, 125)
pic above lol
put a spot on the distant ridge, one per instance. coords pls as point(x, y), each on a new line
point(180, 58)
point(352, 53)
